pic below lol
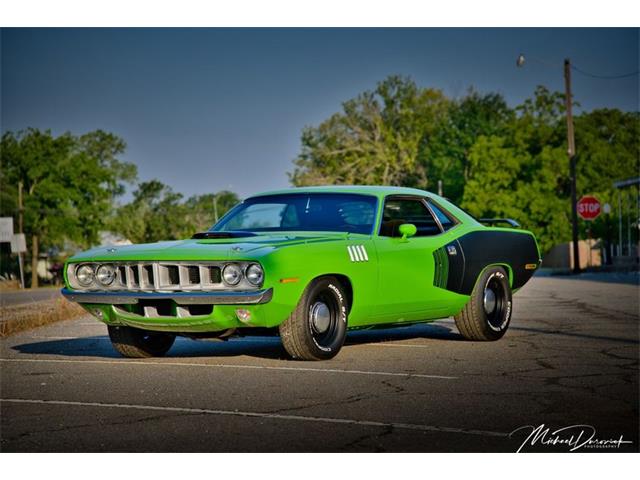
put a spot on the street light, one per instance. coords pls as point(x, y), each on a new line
point(571, 152)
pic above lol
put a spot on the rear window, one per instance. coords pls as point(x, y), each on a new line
point(446, 221)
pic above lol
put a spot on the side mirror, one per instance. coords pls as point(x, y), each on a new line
point(407, 230)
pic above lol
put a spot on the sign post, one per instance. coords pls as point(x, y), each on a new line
point(589, 209)
point(6, 229)
point(18, 242)
point(19, 246)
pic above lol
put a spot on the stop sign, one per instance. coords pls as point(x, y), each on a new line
point(589, 207)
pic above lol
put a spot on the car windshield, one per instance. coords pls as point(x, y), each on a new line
point(333, 212)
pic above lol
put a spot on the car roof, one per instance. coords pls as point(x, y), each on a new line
point(377, 190)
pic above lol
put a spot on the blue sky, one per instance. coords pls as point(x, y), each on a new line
point(210, 109)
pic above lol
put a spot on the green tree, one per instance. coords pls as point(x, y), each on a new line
point(158, 213)
point(508, 181)
point(607, 149)
point(493, 159)
point(69, 184)
point(202, 209)
point(446, 154)
point(374, 140)
point(524, 174)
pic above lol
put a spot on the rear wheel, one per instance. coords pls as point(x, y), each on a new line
point(317, 328)
point(136, 343)
point(488, 313)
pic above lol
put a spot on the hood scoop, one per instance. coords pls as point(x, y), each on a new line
point(214, 235)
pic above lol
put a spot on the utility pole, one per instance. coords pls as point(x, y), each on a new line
point(20, 213)
point(620, 222)
point(628, 200)
point(571, 152)
point(215, 207)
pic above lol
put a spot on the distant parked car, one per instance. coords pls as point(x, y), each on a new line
point(309, 263)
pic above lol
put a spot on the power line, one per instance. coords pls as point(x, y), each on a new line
point(609, 77)
point(545, 63)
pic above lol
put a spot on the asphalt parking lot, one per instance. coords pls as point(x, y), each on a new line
point(22, 297)
point(569, 358)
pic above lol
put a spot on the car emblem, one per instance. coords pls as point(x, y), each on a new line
point(236, 249)
point(111, 250)
point(357, 253)
point(452, 250)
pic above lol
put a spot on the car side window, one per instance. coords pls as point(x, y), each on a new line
point(445, 220)
point(404, 210)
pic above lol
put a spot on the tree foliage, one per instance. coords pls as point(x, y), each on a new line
point(69, 183)
point(70, 186)
point(446, 154)
point(375, 139)
point(493, 159)
point(158, 213)
point(521, 172)
point(531, 160)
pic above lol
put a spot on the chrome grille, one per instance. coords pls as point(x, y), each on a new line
point(161, 276)
point(163, 308)
point(194, 275)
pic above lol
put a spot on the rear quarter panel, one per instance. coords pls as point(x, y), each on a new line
point(516, 249)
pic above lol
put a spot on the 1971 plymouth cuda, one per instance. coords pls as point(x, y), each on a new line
point(309, 263)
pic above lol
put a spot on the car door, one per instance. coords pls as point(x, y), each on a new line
point(406, 267)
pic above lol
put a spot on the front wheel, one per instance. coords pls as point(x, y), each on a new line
point(317, 328)
point(488, 313)
point(136, 343)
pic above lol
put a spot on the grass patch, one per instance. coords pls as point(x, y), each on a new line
point(23, 317)
point(9, 285)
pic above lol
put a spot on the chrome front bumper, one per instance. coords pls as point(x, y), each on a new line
point(183, 298)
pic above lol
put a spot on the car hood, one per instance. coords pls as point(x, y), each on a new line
point(209, 249)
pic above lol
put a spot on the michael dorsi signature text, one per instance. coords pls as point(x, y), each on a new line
point(573, 437)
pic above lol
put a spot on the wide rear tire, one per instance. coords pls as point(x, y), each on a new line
point(136, 343)
point(487, 315)
point(317, 328)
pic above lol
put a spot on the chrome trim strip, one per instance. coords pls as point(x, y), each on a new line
point(181, 298)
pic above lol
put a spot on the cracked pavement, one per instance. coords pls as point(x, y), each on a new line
point(570, 357)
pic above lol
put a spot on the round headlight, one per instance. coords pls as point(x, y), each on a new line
point(106, 274)
point(85, 275)
point(255, 274)
point(232, 274)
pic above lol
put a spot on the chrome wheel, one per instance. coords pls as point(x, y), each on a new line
point(494, 303)
point(323, 320)
point(489, 301)
point(320, 317)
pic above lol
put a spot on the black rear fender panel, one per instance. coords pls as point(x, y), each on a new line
point(477, 250)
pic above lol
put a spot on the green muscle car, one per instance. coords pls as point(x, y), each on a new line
point(310, 264)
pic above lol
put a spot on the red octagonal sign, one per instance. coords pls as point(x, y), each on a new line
point(589, 207)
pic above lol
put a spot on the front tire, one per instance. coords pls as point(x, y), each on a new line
point(487, 315)
point(317, 328)
point(136, 343)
